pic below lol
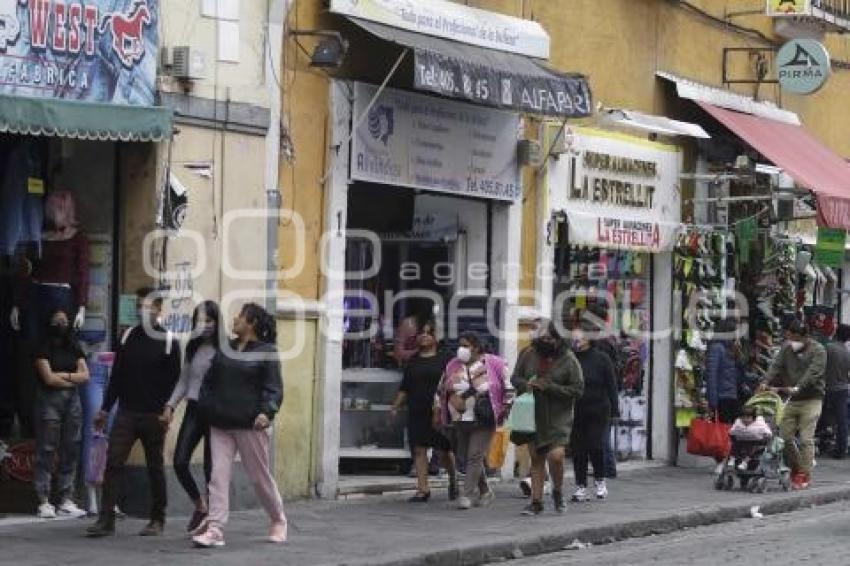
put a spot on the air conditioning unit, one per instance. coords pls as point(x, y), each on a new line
point(187, 63)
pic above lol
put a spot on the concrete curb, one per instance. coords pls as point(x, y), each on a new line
point(526, 546)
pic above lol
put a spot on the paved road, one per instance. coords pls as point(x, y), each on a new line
point(817, 537)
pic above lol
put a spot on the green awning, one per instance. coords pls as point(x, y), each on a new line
point(84, 120)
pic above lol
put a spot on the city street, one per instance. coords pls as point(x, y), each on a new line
point(817, 536)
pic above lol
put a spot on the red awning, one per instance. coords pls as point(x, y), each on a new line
point(809, 162)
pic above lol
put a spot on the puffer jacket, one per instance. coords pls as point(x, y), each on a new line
point(241, 385)
point(723, 374)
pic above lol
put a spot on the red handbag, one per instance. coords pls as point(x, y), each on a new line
point(709, 438)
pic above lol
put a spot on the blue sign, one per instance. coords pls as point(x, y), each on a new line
point(87, 50)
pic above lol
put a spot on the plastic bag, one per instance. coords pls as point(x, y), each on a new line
point(498, 449)
point(521, 418)
point(97, 459)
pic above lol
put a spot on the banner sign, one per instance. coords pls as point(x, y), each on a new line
point(546, 94)
point(617, 191)
point(88, 50)
point(429, 143)
point(803, 66)
point(829, 250)
point(449, 20)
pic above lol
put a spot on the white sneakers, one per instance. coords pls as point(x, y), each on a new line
point(601, 489)
point(70, 509)
point(46, 511)
point(464, 502)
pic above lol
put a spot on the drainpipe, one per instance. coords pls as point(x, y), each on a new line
point(273, 51)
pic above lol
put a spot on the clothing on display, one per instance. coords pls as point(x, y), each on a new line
point(21, 206)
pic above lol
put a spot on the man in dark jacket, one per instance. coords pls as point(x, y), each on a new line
point(147, 367)
point(798, 371)
point(837, 378)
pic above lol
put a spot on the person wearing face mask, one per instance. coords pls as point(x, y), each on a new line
point(146, 368)
point(472, 398)
point(202, 347)
point(61, 365)
point(594, 410)
point(552, 373)
point(798, 371)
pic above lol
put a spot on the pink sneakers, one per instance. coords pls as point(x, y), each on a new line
point(211, 538)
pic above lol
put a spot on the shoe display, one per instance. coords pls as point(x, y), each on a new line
point(580, 495)
point(46, 511)
point(70, 509)
point(211, 538)
point(601, 489)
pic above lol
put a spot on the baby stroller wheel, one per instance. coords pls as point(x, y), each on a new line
point(785, 480)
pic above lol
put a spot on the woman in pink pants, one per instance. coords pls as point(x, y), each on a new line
point(239, 399)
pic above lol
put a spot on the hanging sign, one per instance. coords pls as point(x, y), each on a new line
point(803, 66)
point(786, 7)
point(90, 50)
point(429, 143)
point(617, 191)
point(829, 250)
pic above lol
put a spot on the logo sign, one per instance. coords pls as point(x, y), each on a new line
point(786, 7)
point(803, 66)
point(424, 142)
point(89, 50)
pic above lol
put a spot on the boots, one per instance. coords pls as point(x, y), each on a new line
point(104, 527)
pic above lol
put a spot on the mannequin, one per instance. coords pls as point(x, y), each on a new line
point(60, 277)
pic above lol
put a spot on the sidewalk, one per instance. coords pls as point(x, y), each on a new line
point(388, 530)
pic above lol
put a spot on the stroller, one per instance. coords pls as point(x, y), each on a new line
point(766, 461)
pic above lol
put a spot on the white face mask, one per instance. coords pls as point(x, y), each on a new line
point(797, 346)
point(464, 354)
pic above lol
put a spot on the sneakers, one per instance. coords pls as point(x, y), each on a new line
point(533, 509)
point(277, 534)
point(464, 502)
point(800, 481)
point(210, 538)
point(70, 509)
point(580, 495)
point(601, 489)
point(486, 498)
point(558, 502)
point(46, 511)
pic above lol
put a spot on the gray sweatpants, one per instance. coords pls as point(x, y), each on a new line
point(473, 442)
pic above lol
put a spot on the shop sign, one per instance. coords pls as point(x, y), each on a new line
point(829, 250)
point(618, 191)
point(89, 50)
point(567, 96)
point(429, 143)
point(786, 7)
point(803, 66)
point(449, 20)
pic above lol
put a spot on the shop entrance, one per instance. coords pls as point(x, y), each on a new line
point(47, 183)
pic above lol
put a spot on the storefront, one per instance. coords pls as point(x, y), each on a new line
point(78, 152)
point(424, 212)
point(613, 221)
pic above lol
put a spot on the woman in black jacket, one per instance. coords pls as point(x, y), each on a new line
point(593, 413)
point(239, 398)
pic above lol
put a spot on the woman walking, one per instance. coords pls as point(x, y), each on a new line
point(239, 398)
point(594, 410)
point(61, 367)
point(473, 397)
point(204, 344)
point(418, 387)
point(551, 372)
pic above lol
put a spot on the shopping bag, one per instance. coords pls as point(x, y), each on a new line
point(97, 459)
point(709, 438)
point(521, 418)
point(498, 449)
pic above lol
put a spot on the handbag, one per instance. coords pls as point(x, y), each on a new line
point(710, 438)
point(483, 410)
point(521, 419)
point(498, 449)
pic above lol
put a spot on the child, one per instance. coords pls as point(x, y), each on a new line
point(749, 427)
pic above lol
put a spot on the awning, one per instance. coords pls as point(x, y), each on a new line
point(83, 120)
point(488, 77)
point(649, 123)
point(809, 162)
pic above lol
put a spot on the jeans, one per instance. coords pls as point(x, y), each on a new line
point(21, 213)
point(835, 414)
point(193, 430)
point(43, 300)
point(800, 417)
point(473, 442)
point(58, 420)
point(131, 426)
point(253, 448)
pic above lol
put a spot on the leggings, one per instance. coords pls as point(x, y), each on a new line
point(192, 431)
